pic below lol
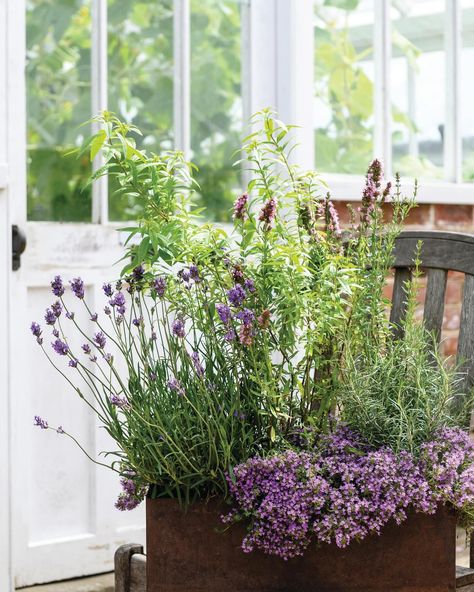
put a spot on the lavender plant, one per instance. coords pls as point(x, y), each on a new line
point(218, 347)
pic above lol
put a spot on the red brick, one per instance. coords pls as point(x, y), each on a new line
point(454, 290)
point(344, 211)
point(420, 216)
point(449, 345)
point(451, 320)
point(454, 215)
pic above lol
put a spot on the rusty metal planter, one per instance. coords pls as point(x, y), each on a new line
point(188, 552)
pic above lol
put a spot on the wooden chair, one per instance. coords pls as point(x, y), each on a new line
point(441, 252)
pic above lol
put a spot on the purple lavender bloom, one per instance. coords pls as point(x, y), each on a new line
point(70, 316)
point(230, 335)
point(60, 430)
point(236, 295)
point(138, 322)
point(184, 275)
point(197, 364)
point(109, 358)
point(41, 423)
point(249, 285)
point(118, 300)
point(224, 313)
point(120, 402)
point(77, 286)
point(35, 328)
point(138, 273)
point(107, 311)
point(60, 347)
point(194, 273)
point(246, 316)
point(94, 317)
point(178, 327)
point(86, 348)
point(55, 333)
point(100, 340)
point(240, 207)
point(174, 385)
point(57, 308)
point(49, 317)
point(73, 363)
point(57, 286)
point(93, 358)
point(108, 291)
point(159, 285)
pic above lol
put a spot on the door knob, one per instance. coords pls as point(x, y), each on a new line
point(18, 246)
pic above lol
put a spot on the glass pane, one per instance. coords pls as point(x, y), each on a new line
point(344, 81)
point(467, 89)
point(418, 82)
point(140, 54)
point(58, 36)
point(216, 105)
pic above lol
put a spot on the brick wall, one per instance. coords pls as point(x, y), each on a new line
point(436, 217)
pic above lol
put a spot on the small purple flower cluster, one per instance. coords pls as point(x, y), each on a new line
point(240, 207)
point(268, 212)
point(372, 191)
point(187, 276)
point(132, 495)
point(342, 491)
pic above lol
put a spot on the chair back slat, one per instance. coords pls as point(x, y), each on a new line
point(434, 301)
point(465, 354)
point(399, 299)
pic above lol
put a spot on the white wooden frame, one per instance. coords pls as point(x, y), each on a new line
point(5, 514)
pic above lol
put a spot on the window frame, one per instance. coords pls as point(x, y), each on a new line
point(278, 71)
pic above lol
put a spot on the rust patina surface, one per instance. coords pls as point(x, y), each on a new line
point(188, 552)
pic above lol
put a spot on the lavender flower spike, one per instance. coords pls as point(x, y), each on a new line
point(77, 286)
point(224, 313)
point(100, 340)
point(159, 285)
point(49, 317)
point(178, 327)
point(35, 329)
point(236, 295)
point(57, 286)
point(107, 288)
point(60, 347)
point(41, 423)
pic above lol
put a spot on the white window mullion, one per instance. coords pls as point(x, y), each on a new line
point(382, 100)
point(182, 76)
point(452, 131)
point(100, 204)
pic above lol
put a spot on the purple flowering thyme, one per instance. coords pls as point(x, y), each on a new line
point(240, 207)
point(224, 313)
point(236, 295)
point(60, 347)
point(77, 286)
point(57, 286)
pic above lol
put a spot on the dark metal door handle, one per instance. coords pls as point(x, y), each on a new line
point(18, 246)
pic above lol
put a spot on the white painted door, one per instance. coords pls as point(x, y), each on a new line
point(63, 520)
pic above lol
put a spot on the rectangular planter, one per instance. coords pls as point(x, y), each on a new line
point(187, 553)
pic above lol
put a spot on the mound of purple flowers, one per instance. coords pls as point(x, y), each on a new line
point(342, 491)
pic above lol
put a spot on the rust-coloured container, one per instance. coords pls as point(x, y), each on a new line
point(187, 553)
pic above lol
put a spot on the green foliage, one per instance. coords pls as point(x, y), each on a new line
point(140, 85)
point(197, 398)
point(401, 393)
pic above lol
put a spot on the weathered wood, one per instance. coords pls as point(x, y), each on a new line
point(138, 573)
point(122, 560)
point(399, 300)
point(464, 576)
point(440, 250)
point(434, 301)
point(465, 354)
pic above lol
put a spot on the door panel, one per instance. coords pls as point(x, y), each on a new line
point(67, 510)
